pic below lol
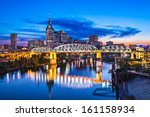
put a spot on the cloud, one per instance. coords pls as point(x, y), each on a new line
point(31, 34)
point(82, 28)
point(31, 30)
point(4, 36)
point(23, 36)
point(78, 28)
point(123, 31)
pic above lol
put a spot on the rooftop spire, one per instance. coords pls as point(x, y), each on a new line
point(49, 24)
point(49, 21)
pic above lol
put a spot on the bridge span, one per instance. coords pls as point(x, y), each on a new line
point(68, 49)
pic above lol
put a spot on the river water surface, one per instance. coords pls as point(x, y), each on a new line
point(76, 80)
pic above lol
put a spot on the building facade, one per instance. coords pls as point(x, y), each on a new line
point(133, 47)
point(109, 43)
point(69, 39)
point(62, 36)
point(35, 44)
point(50, 35)
point(13, 38)
point(139, 53)
point(93, 39)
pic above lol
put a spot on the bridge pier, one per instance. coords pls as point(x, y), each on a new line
point(98, 59)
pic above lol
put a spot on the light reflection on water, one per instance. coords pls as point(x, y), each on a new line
point(75, 80)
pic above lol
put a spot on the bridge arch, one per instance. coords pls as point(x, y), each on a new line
point(75, 48)
point(116, 49)
point(41, 49)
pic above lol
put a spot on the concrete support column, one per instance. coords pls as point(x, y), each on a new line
point(99, 55)
point(99, 59)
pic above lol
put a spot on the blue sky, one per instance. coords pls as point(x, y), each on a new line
point(121, 21)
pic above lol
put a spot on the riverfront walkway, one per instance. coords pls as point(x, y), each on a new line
point(139, 88)
point(138, 73)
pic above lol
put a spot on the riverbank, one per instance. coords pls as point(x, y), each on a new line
point(139, 88)
point(22, 68)
point(22, 63)
point(138, 73)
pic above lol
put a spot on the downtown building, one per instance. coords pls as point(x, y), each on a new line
point(109, 43)
point(13, 38)
point(50, 35)
point(62, 38)
point(56, 38)
point(35, 44)
point(93, 39)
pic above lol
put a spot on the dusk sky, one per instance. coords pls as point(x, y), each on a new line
point(121, 21)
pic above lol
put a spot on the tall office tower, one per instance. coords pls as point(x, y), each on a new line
point(13, 38)
point(50, 35)
point(62, 36)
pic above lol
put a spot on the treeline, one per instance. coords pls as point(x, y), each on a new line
point(23, 63)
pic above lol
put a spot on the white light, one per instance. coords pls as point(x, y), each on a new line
point(58, 70)
point(7, 77)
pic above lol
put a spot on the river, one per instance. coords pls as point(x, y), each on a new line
point(76, 80)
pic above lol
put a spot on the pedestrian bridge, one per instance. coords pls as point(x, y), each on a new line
point(75, 48)
point(82, 48)
point(69, 48)
point(116, 49)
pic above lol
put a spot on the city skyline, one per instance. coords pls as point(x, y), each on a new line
point(118, 21)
